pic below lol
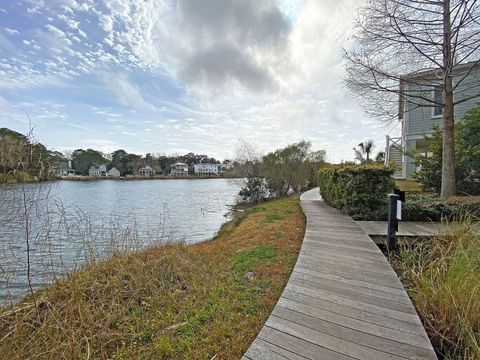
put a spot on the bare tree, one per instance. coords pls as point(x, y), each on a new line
point(401, 46)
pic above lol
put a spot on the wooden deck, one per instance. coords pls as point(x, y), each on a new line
point(342, 301)
point(405, 228)
point(409, 228)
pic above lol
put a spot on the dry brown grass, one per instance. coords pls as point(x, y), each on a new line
point(408, 185)
point(442, 276)
point(171, 301)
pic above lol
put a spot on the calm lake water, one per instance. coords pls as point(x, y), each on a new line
point(71, 222)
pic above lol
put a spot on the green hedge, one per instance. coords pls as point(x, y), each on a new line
point(432, 208)
point(357, 190)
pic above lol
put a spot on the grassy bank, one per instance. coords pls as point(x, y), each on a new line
point(166, 302)
point(442, 277)
point(19, 177)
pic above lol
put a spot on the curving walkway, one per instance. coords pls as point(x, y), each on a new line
point(343, 299)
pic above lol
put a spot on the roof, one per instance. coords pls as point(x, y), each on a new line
point(433, 72)
point(178, 163)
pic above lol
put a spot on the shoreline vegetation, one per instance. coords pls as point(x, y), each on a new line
point(138, 177)
point(168, 301)
point(11, 179)
point(442, 277)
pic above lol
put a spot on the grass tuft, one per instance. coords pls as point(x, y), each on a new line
point(442, 276)
point(272, 218)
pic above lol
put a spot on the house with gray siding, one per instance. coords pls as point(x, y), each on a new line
point(144, 171)
point(179, 169)
point(113, 172)
point(64, 168)
point(97, 170)
point(419, 112)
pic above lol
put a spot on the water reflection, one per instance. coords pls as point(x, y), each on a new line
point(68, 223)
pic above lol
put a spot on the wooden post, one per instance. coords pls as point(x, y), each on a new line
point(392, 222)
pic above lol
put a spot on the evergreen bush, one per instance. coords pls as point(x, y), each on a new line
point(357, 190)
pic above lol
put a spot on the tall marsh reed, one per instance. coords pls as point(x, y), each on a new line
point(43, 240)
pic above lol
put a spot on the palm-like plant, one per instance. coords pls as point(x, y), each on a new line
point(364, 150)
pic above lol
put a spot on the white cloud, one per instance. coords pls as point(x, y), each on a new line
point(128, 93)
point(54, 30)
point(266, 71)
point(12, 31)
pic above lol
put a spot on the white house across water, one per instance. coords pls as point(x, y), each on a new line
point(207, 169)
point(179, 169)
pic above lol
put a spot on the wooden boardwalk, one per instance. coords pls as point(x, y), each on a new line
point(342, 301)
point(409, 228)
point(405, 228)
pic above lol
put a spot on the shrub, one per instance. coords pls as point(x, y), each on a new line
point(357, 190)
point(433, 208)
point(467, 156)
point(254, 189)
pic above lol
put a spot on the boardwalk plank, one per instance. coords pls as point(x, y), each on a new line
point(263, 350)
point(334, 343)
point(319, 320)
point(356, 314)
point(356, 296)
point(368, 285)
point(297, 345)
point(385, 295)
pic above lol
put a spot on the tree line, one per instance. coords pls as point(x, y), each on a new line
point(26, 159)
point(126, 162)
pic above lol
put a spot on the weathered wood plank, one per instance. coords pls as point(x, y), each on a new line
point(355, 304)
point(356, 314)
point(334, 343)
point(368, 285)
point(263, 350)
point(358, 296)
point(349, 273)
point(299, 346)
point(384, 295)
point(396, 346)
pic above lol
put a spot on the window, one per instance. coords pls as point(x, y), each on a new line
point(438, 98)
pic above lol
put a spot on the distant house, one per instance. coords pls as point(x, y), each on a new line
point(100, 170)
point(113, 172)
point(178, 169)
point(420, 117)
point(64, 169)
point(145, 171)
point(207, 169)
point(224, 168)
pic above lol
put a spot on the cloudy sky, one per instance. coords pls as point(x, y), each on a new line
point(175, 76)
